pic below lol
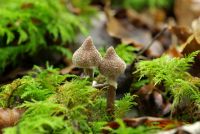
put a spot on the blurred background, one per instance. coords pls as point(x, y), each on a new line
point(34, 32)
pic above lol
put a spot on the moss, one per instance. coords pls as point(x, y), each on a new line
point(55, 105)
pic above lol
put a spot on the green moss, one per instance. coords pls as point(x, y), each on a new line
point(55, 105)
point(30, 26)
point(173, 73)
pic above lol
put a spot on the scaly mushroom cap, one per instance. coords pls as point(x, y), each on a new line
point(112, 65)
point(196, 29)
point(87, 56)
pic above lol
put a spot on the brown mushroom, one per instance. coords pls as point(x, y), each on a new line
point(87, 57)
point(111, 66)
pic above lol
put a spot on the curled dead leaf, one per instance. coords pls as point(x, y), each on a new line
point(162, 123)
point(196, 29)
point(9, 117)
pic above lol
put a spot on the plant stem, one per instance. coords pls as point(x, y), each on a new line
point(89, 72)
point(111, 94)
point(152, 41)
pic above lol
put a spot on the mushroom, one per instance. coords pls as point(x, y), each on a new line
point(111, 66)
point(87, 57)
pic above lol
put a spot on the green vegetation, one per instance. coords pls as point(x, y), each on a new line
point(31, 27)
point(76, 100)
point(173, 73)
point(142, 4)
point(57, 103)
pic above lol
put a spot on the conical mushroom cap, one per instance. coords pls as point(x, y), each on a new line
point(87, 56)
point(112, 65)
point(196, 29)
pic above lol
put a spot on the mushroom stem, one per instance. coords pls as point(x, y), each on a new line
point(111, 95)
point(89, 72)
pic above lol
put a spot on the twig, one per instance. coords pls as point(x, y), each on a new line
point(152, 41)
point(99, 86)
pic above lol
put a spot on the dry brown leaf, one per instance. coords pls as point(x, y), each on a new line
point(190, 46)
point(173, 52)
point(150, 19)
point(163, 123)
point(191, 43)
point(196, 29)
point(140, 20)
point(9, 117)
point(186, 11)
point(181, 32)
point(151, 102)
point(124, 30)
point(71, 70)
point(114, 28)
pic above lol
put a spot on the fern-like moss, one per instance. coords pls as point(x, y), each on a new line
point(173, 73)
point(166, 69)
point(55, 105)
point(185, 92)
point(28, 26)
point(39, 85)
point(40, 118)
point(124, 105)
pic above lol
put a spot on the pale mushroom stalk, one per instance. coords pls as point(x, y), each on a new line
point(88, 72)
point(111, 66)
point(87, 57)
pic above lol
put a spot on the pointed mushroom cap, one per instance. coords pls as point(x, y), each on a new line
point(87, 56)
point(112, 65)
point(196, 29)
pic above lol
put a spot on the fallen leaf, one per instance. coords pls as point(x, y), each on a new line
point(181, 32)
point(173, 52)
point(163, 123)
point(71, 70)
point(196, 29)
point(124, 30)
point(186, 11)
point(9, 117)
point(151, 102)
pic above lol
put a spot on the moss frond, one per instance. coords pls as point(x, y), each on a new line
point(54, 105)
point(77, 92)
point(173, 73)
point(124, 105)
point(38, 85)
point(166, 69)
point(40, 118)
point(30, 26)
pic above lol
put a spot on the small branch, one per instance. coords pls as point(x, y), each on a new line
point(152, 41)
point(99, 86)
